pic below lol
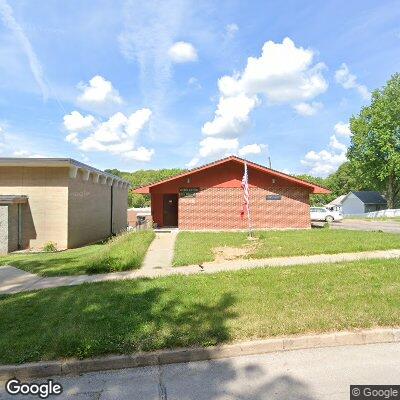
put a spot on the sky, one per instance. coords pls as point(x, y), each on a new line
point(173, 83)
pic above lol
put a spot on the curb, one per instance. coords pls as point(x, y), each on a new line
point(75, 367)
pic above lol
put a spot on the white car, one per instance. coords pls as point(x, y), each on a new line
point(323, 214)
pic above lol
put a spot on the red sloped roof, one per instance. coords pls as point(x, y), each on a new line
point(314, 188)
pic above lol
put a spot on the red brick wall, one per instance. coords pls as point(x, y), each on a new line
point(219, 208)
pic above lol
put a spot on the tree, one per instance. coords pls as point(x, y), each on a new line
point(142, 178)
point(344, 180)
point(375, 143)
point(317, 199)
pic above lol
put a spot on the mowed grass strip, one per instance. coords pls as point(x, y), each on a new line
point(117, 254)
point(197, 247)
point(200, 310)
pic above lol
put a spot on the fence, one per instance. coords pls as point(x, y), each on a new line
point(379, 214)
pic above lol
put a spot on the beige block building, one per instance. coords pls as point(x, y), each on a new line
point(58, 200)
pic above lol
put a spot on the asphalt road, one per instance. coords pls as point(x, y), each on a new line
point(360, 225)
point(312, 374)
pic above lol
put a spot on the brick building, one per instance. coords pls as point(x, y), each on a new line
point(211, 197)
point(58, 200)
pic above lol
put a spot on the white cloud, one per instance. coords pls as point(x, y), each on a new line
point(10, 22)
point(307, 109)
point(27, 154)
point(194, 82)
point(193, 162)
point(231, 116)
point(182, 52)
point(149, 30)
point(325, 162)
point(349, 81)
point(117, 135)
point(141, 154)
point(283, 74)
point(251, 149)
point(336, 145)
point(218, 147)
point(342, 129)
point(76, 122)
point(231, 30)
point(99, 92)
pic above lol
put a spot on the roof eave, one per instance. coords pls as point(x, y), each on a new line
point(142, 190)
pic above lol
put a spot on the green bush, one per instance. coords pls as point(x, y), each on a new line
point(50, 247)
point(121, 253)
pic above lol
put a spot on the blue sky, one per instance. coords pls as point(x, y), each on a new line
point(133, 84)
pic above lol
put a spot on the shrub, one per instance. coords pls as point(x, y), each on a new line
point(121, 253)
point(50, 247)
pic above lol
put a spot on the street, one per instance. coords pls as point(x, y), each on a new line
point(311, 374)
point(367, 225)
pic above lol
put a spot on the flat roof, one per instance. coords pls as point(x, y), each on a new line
point(54, 162)
point(13, 199)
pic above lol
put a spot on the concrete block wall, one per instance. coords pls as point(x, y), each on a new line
point(89, 210)
point(45, 217)
point(3, 229)
point(220, 208)
point(89, 205)
point(120, 205)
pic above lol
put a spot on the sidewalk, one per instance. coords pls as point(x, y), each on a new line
point(28, 282)
point(160, 252)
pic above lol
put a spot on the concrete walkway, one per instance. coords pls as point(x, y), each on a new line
point(160, 252)
point(309, 374)
point(11, 286)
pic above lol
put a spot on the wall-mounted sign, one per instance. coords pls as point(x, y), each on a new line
point(188, 192)
point(273, 197)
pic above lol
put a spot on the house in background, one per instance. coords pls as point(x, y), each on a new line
point(336, 204)
point(58, 200)
point(211, 198)
point(363, 202)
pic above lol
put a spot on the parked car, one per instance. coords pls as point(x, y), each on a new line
point(323, 214)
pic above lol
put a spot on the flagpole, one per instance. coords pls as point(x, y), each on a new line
point(248, 207)
point(246, 194)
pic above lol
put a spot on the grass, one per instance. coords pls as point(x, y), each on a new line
point(120, 253)
point(197, 247)
point(200, 310)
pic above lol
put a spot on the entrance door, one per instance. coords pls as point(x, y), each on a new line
point(170, 210)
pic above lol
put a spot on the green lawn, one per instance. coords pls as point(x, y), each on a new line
point(197, 247)
point(128, 316)
point(120, 253)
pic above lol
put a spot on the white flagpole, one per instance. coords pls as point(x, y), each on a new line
point(247, 197)
point(248, 206)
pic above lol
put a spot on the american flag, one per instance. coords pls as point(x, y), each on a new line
point(245, 186)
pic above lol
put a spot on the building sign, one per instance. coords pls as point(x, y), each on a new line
point(188, 192)
point(273, 197)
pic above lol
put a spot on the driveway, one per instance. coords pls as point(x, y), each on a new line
point(312, 374)
point(368, 225)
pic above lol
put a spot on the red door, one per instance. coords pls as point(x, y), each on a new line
point(170, 209)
